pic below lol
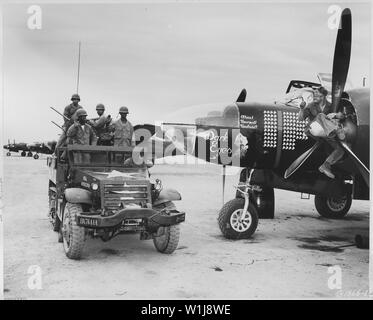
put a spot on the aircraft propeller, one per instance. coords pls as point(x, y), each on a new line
point(341, 63)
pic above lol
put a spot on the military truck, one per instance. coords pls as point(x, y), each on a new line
point(99, 191)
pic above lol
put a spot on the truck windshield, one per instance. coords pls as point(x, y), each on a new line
point(99, 156)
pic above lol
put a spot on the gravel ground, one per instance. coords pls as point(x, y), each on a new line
point(287, 258)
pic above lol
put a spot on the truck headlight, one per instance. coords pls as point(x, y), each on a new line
point(94, 186)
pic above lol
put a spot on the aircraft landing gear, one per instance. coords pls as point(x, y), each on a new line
point(23, 154)
point(238, 219)
point(8, 154)
point(263, 198)
point(36, 156)
point(29, 154)
point(333, 208)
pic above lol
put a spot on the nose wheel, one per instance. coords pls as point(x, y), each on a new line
point(238, 218)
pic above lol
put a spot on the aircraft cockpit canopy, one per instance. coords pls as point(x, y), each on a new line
point(295, 97)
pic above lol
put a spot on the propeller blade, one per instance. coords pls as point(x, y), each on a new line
point(362, 168)
point(300, 160)
point(224, 170)
point(341, 61)
point(242, 96)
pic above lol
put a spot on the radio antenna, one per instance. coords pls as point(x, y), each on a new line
point(77, 81)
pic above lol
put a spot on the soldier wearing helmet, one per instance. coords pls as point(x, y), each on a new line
point(69, 118)
point(100, 126)
point(72, 108)
point(81, 132)
point(123, 129)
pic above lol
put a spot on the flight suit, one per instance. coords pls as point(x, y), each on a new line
point(312, 110)
point(123, 133)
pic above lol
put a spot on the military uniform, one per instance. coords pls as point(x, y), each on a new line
point(100, 127)
point(123, 133)
point(332, 129)
point(313, 109)
point(81, 134)
point(69, 112)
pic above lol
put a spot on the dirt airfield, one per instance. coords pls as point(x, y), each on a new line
point(288, 257)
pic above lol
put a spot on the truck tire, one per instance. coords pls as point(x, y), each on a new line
point(333, 208)
point(73, 235)
point(229, 220)
point(168, 240)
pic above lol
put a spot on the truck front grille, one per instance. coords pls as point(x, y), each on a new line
point(119, 194)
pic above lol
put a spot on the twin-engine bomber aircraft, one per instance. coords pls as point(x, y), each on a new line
point(276, 153)
point(30, 149)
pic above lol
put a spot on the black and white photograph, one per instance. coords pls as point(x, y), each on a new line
point(185, 150)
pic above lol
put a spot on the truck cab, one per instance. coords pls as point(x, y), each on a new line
point(100, 191)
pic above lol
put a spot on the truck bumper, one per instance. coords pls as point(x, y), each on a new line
point(152, 218)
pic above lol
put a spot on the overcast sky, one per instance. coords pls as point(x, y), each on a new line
point(160, 58)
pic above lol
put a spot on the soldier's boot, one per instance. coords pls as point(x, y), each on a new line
point(325, 169)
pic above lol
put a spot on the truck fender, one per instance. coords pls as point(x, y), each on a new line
point(78, 195)
point(167, 195)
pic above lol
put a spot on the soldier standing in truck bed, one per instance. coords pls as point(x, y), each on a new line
point(69, 118)
point(100, 126)
point(81, 132)
point(123, 130)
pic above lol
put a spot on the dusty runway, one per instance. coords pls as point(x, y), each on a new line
point(288, 257)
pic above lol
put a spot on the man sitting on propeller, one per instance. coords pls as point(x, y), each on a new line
point(325, 124)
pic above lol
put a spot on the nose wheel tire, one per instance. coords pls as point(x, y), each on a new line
point(333, 208)
point(73, 235)
point(234, 223)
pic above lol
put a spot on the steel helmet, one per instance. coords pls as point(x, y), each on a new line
point(100, 106)
point(123, 110)
point(75, 96)
point(81, 112)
